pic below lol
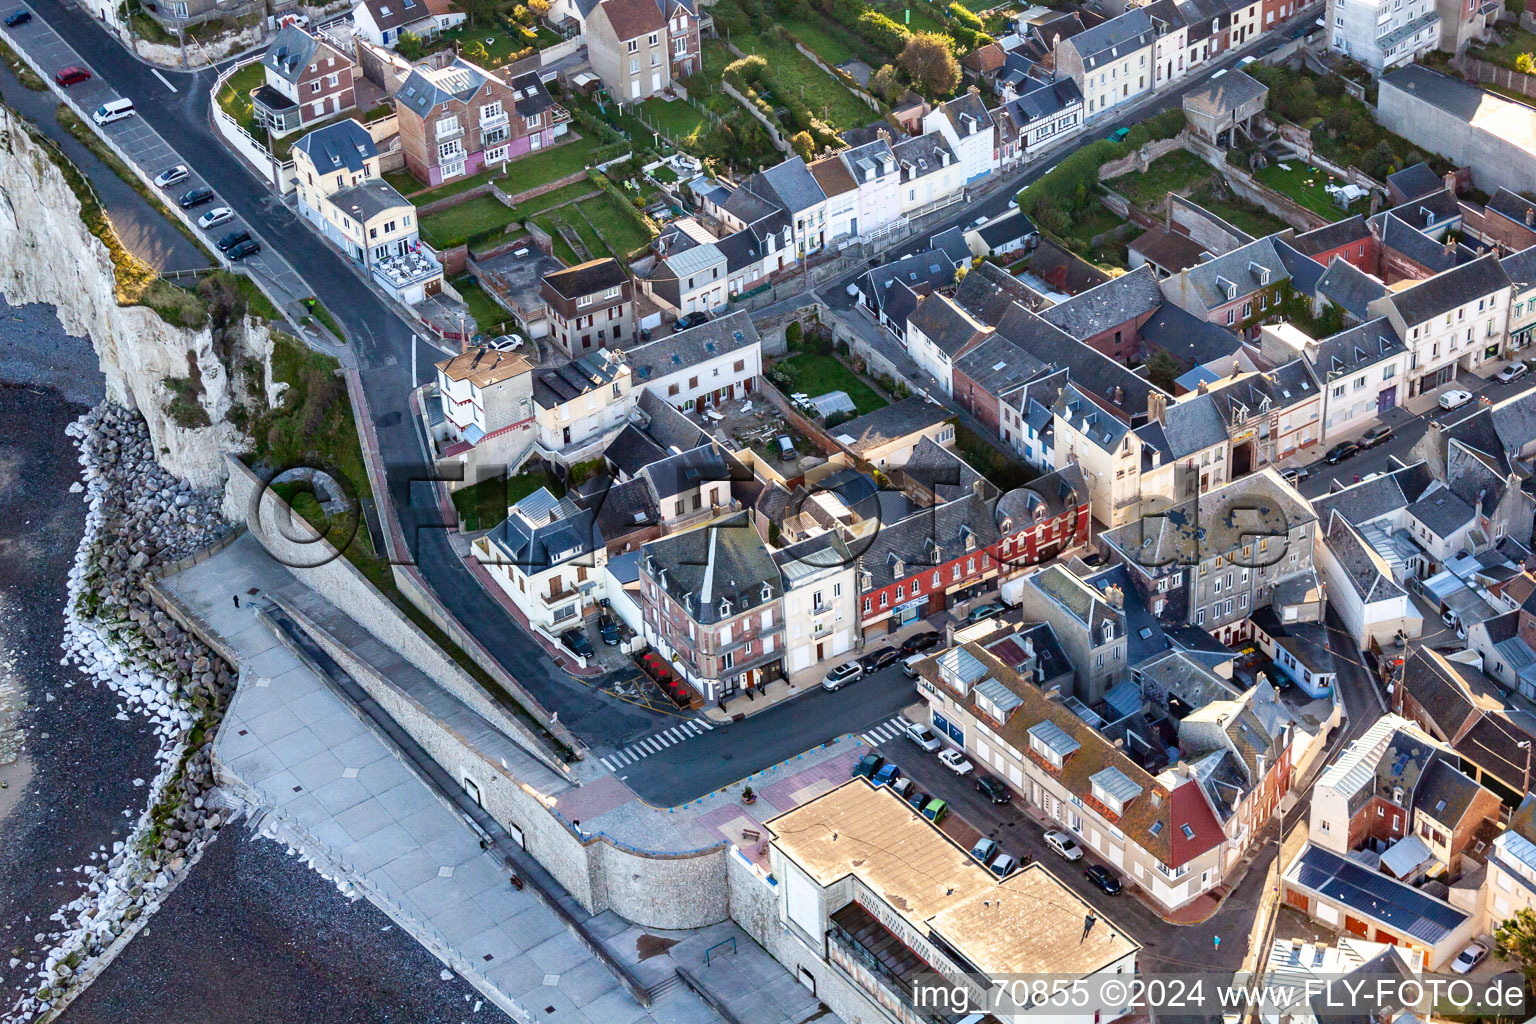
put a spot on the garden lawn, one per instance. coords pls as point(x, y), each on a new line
point(1306, 187)
point(1251, 219)
point(453, 226)
point(1520, 41)
point(791, 74)
point(675, 117)
point(1176, 170)
point(1095, 221)
point(488, 316)
point(235, 97)
point(817, 374)
point(483, 505)
point(499, 44)
point(705, 86)
point(619, 230)
point(407, 183)
point(828, 40)
point(545, 166)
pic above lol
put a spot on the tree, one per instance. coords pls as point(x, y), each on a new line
point(886, 83)
point(475, 50)
point(540, 8)
point(1162, 369)
point(803, 144)
point(961, 271)
point(931, 64)
point(1524, 63)
point(409, 46)
point(1516, 940)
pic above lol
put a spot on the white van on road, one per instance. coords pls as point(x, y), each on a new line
point(113, 110)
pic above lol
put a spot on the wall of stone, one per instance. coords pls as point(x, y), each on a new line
point(695, 883)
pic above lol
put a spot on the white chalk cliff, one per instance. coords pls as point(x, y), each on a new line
point(47, 254)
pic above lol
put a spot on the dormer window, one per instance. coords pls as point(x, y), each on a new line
point(725, 607)
point(767, 592)
point(1109, 632)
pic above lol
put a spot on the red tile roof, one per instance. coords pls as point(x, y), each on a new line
point(1189, 807)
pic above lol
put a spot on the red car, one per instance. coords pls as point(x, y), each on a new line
point(72, 76)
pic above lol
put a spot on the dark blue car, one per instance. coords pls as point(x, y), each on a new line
point(20, 16)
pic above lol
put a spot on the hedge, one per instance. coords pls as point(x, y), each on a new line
point(1076, 177)
point(882, 32)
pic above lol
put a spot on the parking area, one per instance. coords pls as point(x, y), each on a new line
point(143, 147)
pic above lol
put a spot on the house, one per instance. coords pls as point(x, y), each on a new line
point(1372, 605)
point(821, 600)
point(341, 192)
point(1520, 268)
point(789, 186)
point(842, 194)
point(932, 176)
point(307, 80)
point(1349, 239)
point(1090, 626)
point(548, 556)
point(1254, 735)
point(925, 562)
point(704, 366)
point(460, 119)
point(1110, 63)
point(1040, 114)
point(1041, 519)
point(1213, 561)
point(1307, 981)
point(383, 22)
point(714, 606)
point(1509, 221)
point(1166, 252)
point(1270, 416)
point(628, 48)
point(485, 412)
point(967, 126)
point(876, 175)
point(1467, 125)
point(937, 332)
point(990, 371)
point(690, 280)
point(884, 438)
point(690, 486)
point(1222, 110)
point(1454, 321)
point(893, 290)
point(1157, 831)
point(1008, 235)
point(1300, 651)
point(1510, 885)
point(580, 406)
point(1108, 317)
point(591, 306)
point(1412, 182)
point(1361, 372)
point(1171, 44)
point(1236, 289)
point(861, 880)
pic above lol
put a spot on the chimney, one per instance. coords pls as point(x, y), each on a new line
point(1119, 395)
point(1450, 182)
point(1450, 246)
point(1157, 407)
point(1237, 367)
point(1115, 595)
point(1203, 389)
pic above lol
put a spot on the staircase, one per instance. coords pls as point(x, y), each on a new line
point(572, 239)
point(1379, 537)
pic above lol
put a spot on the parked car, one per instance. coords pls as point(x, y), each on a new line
point(233, 239)
point(936, 810)
point(576, 641)
point(993, 789)
point(1455, 398)
point(786, 448)
point(923, 737)
point(249, 247)
point(876, 660)
point(1375, 436)
point(887, 774)
point(216, 216)
point(983, 611)
point(505, 342)
point(985, 849)
point(842, 676)
point(608, 629)
point(956, 762)
point(909, 665)
point(917, 800)
point(1003, 864)
point(195, 197)
point(1103, 878)
point(1469, 958)
point(20, 16)
point(1063, 844)
point(1119, 134)
point(1294, 477)
point(903, 787)
point(868, 765)
point(917, 643)
point(1341, 451)
point(691, 320)
point(171, 176)
point(1514, 371)
point(71, 76)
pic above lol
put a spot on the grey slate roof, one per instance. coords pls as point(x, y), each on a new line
point(921, 271)
point(988, 290)
point(1088, 417)
point(1044, 100)
point(968, 114)
point(1237, 273)
point(1090, 608)
point(998, 364)
point(1108, 305)
point(624, 507)
point(691, 347)
point(923, 154)
point(928, 537)
point(686, 471)
point(1091, 370)
point(1441, 511)
point(1514, 207)
point(1350, 551)
point(425, 88)
point(1348, 231)
point(1372, 499)
point(1193, 425)
point(1402, 237)
point(722, 559)
point(1219, 98)
point(1304, 270)
point(1350, 288)
point(1520, 268)
point(1352, 350)
point(368, 199)
point(1191, 340)
point(345, 144)
point(789, 184)
point(289, 52)
point(1444, 792)
point(943, 472)
point(543, 531)
point(951, 243)
point(1112, 39)
point(1415, 181)
point(890, 423)
point(1443, 292)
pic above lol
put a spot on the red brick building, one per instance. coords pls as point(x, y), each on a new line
point(1350, 240)
point(1040, 520)
point(925, 562)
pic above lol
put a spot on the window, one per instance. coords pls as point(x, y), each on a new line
point(314, 86)
point(651, 39)
point(634, 47)
point(1231, 317)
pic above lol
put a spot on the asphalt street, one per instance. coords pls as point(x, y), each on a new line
point(176, 105)
point(1407, 429)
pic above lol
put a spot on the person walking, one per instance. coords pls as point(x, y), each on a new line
point(237, 600)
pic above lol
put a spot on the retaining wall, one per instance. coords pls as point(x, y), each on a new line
point(779, 142)
point(1496, 74)
point(1139, 160)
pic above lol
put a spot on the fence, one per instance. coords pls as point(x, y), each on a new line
point(243, 142)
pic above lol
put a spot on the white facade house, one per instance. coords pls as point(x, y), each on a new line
point(701, 367)
point(1171, 47)
point(579, 407)
point(1456, 320)
point(1382, 34)
point(967, 126)
point(1361, 588)
point(1361, 372)
point(821, 593)
point(548, 557)
point(1521, 270)
point(878, 178)
point(931, 176)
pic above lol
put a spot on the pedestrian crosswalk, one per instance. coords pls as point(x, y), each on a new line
point(656, 742)
point(884, 732)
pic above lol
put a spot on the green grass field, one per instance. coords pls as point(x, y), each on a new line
point(1306, 187)
point(817, 374)
point(488, 316)
point(705, 86)
point(1179, 169)
point(675, 117)
point(791, 74)
point(1520, 41)
point(832, 42)
point(457, 223)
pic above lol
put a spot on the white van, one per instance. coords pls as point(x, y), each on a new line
point(113, 110)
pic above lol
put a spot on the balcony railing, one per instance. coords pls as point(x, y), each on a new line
point(444, 134)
